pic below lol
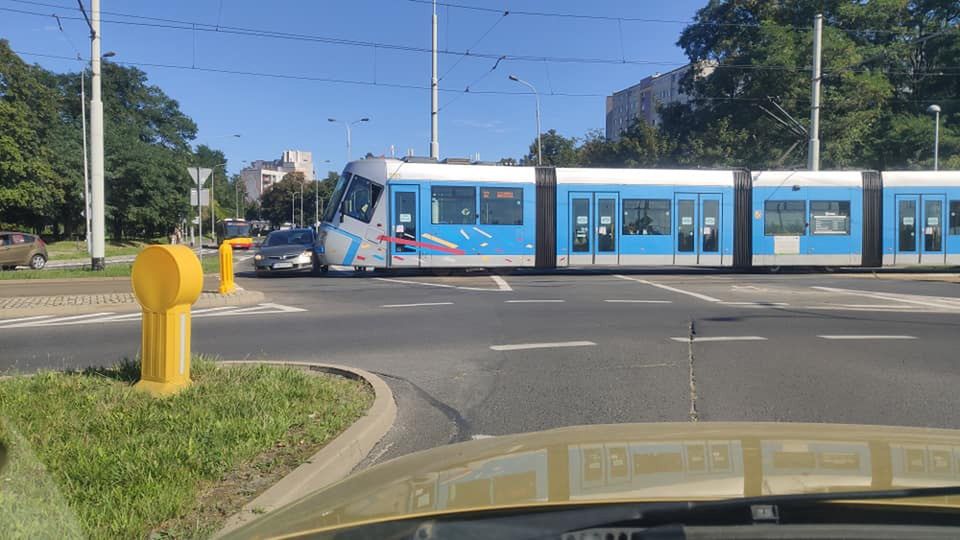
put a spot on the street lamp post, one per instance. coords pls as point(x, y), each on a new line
point(935, 109)
point(213, 173)
point(236, 200)
point(348, 125)
point(316, 195)
point(293, 206)
point(536, 95)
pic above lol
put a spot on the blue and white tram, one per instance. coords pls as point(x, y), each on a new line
point(921, 218)
point(389, 213)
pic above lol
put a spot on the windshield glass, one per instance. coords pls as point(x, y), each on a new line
point(333, 205)
point(236, 230)
point(733, 213)
point(289, 237)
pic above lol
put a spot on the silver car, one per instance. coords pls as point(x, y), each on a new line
point(285, 251)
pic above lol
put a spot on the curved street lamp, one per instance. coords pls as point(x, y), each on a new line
point(536, 95)
point(348, 125)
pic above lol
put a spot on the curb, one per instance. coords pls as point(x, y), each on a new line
point(335, 460)
point(241, 297)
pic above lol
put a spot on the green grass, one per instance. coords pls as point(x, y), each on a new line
point(89, 455)
point(211, 265)
point(71, 249)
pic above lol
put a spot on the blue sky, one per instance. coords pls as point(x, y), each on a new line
point(275, 113)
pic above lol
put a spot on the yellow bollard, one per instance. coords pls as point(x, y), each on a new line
point(166, 281)
point(226, 269)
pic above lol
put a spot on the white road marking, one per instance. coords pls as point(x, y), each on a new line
point(22, 319)
point(418, 305)
point(534, 301)
point(479, 436)
point(909, 299)
point(653, 365)
point(441, 285)
point(755, 304)
point(501, 283)
point(110, 317)
point(669, 288)
point(639, 301)
point(851, 336)
point(525, 346)
point(719, 338)
point(58, 321)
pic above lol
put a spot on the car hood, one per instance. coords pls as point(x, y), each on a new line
point(629, 462)
point(289, 249)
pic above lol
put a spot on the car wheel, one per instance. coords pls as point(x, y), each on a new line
point(38, 261)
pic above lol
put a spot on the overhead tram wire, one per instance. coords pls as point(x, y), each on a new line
point(611, 18)
point(193, 26)
point(474, 46)
point(385, 84)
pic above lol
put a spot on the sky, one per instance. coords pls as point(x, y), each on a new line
point(287, 87)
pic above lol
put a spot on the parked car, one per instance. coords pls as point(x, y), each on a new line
point(22, 249)
point(285, 251)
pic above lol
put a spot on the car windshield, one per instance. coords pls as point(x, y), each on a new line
point(236, 230)
point(244, 240)
point(290, 237)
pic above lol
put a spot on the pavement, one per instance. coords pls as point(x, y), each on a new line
point(474, 354)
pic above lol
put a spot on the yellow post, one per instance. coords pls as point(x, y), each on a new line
point(226, 268)
point(166, 281)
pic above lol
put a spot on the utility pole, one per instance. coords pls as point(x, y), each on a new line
point(813, 152)
point(86, 166)
point(213, 224)
point(935, 109)
point(199, 217)
point(434, 95)
point(97, 220)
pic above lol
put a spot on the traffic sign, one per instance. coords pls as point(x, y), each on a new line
point(199, 174)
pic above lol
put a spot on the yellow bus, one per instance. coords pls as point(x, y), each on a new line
point(235, 232)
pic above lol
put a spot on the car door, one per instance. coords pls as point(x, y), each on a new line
point(5, 249)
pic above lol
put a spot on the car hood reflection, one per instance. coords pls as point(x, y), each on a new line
point(631, 462)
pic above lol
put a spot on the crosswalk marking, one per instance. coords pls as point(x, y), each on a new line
point(43, 321)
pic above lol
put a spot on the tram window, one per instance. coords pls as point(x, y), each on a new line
point(501, 206)
point(830, 217)
point(646, 217)
point(334, 204)
point(784, 218)
point(361, 198)
point(954, 217)
point(453, 205)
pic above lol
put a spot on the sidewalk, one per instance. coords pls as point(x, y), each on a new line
point(76, 296)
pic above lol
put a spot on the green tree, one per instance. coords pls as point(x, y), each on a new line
point(641, 145)
point(558, 150)
point(29, 188)
point(281, 202)
point(881, 65)
point(147, 152)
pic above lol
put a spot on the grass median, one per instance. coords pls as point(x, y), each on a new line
point(73, 249)
point(88, 456)
point(211, 265)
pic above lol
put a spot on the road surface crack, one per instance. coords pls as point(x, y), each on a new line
point(693, 415)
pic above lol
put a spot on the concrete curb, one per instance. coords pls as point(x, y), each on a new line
point(335, 460)
point(241, 297)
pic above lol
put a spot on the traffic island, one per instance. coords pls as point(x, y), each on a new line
point(87, 454)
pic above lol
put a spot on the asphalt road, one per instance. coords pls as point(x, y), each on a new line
point(473, 354)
